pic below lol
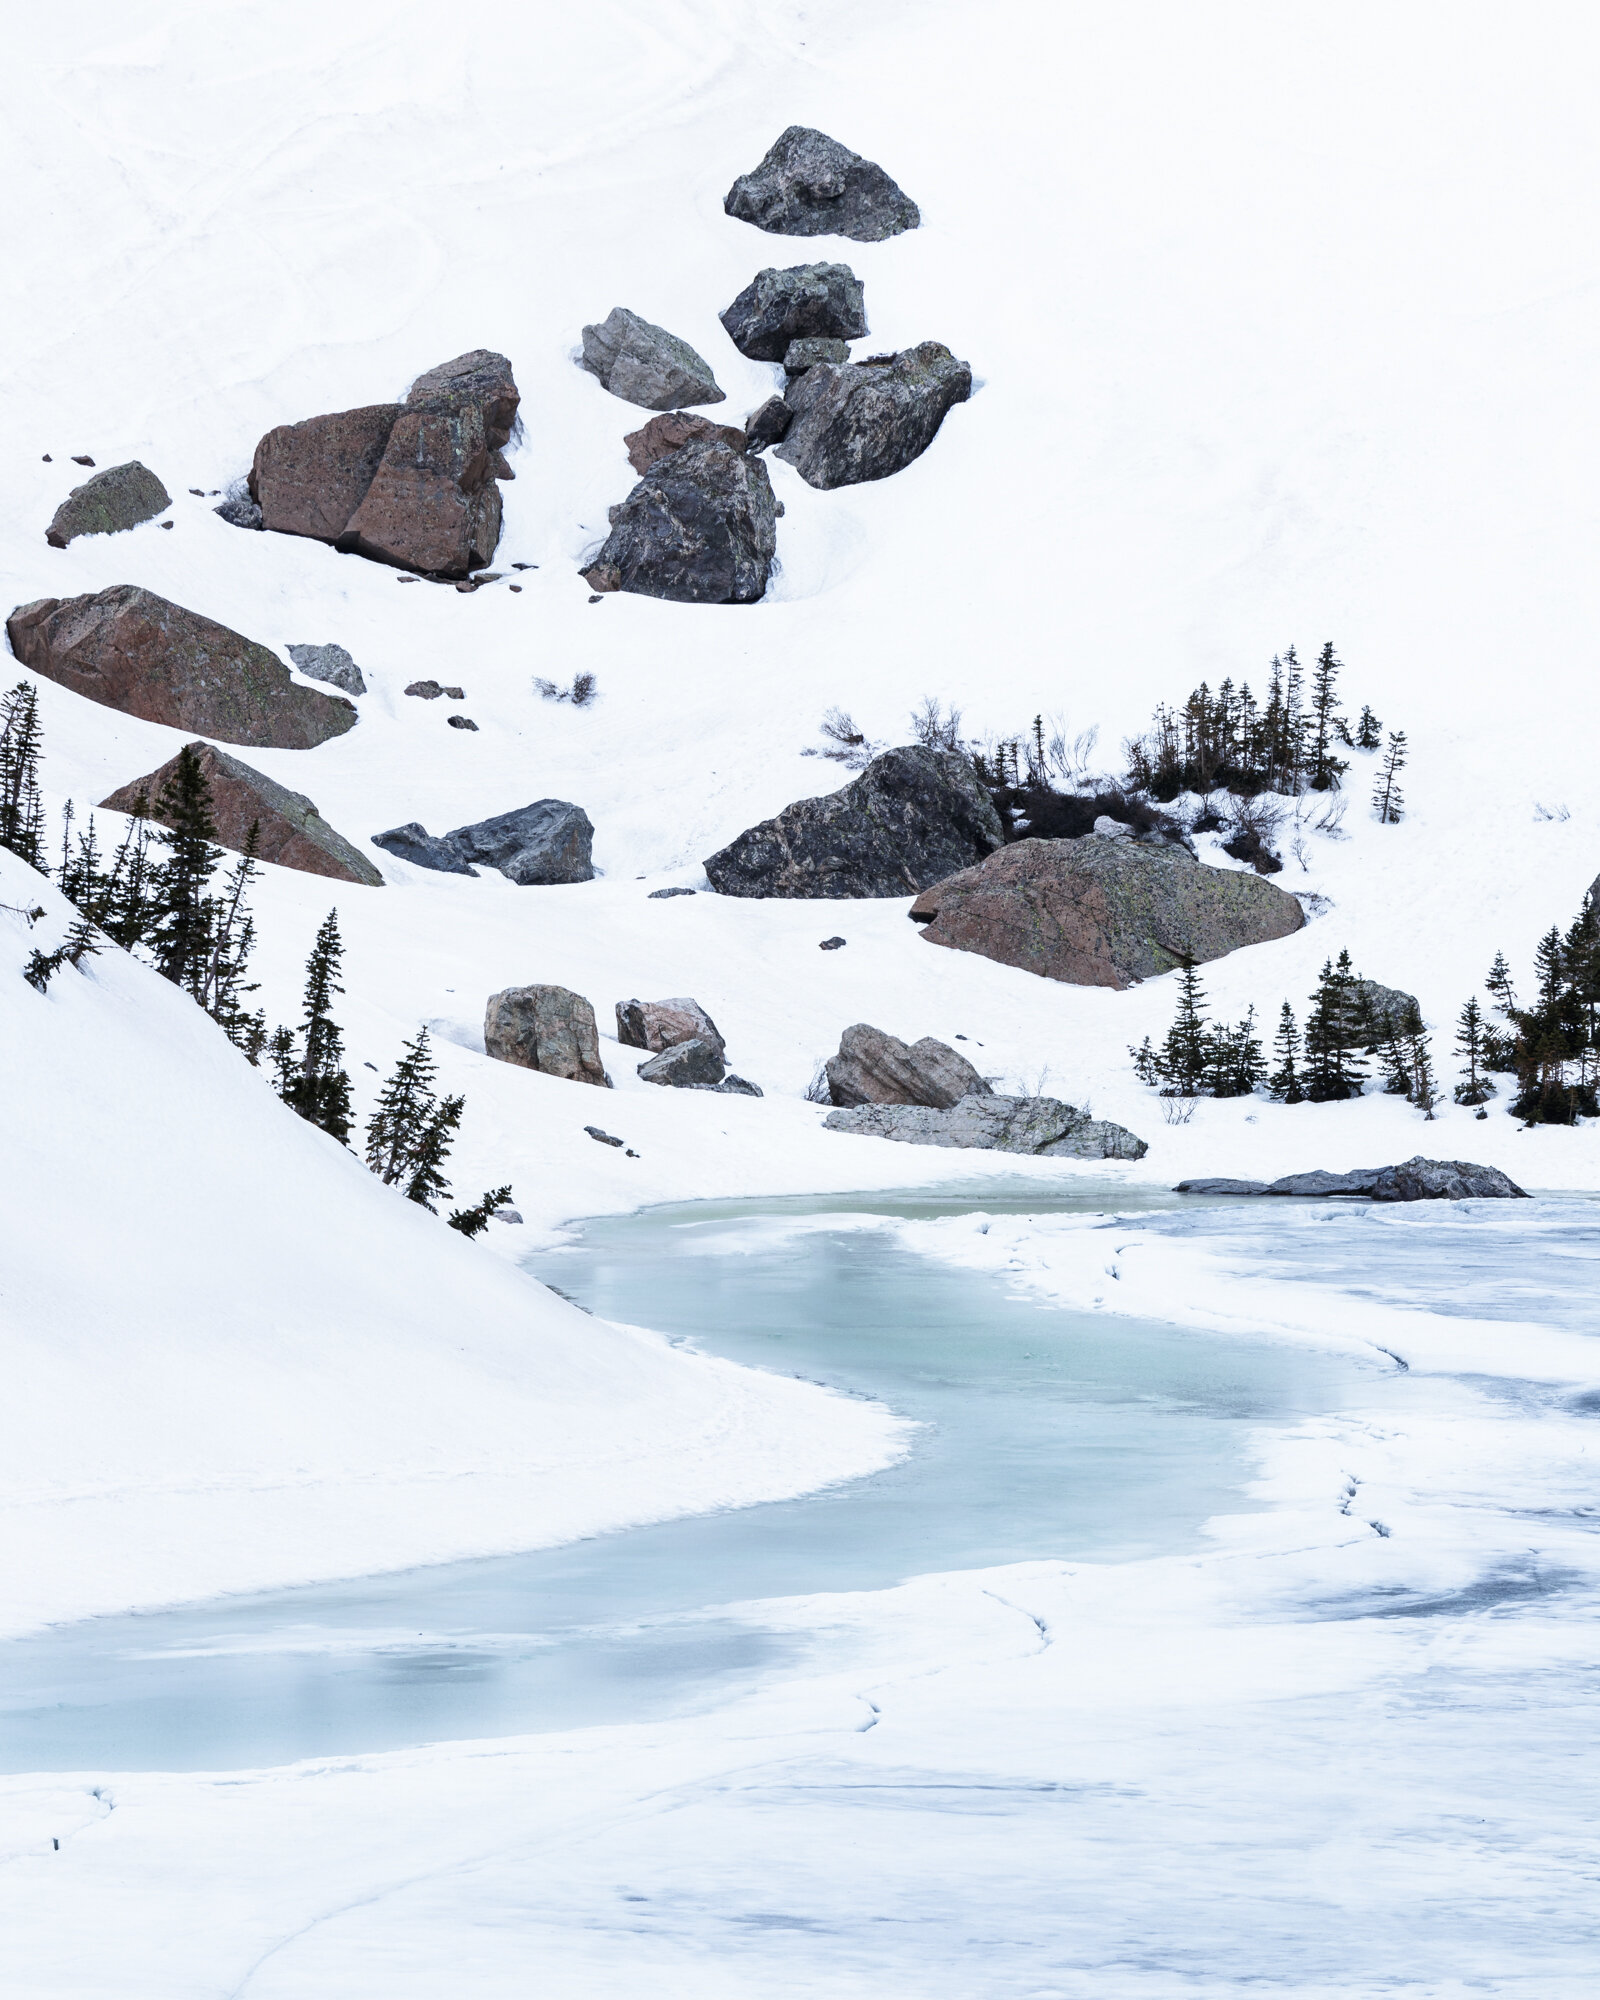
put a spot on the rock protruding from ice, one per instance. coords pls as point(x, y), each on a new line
point(1041, 1126)
point(328, 663)
point(1102, 912)
point(1416, 1179)
point(666, 433)
point(806, 301)
point(288, 828)
point(810, 185)
point(661, 1024)
point(699, 528)
point(119, 498)
point(128, 649)
point(645, 364)
point(548, 842)
point(547, 1028)
point(869, 419)
point(913, 817)
point(877, 1068)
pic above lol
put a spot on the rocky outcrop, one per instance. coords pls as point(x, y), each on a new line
point(1385, 1010)
point(804, 354)
point(664, 434)
point(1415, 1179)
point(662, 1024)
point(1041, 1126)
point(547, 842)
point(412, 483)
point(131, 650)
point(776, 308)
point(690, 1065)
point(289, 830)
point(1100, 912)
point(870, 419)
point(913, 817)
point(547, 1028)
point(328, 663)
point(874, 1068)
point(699, 528)
point(121, 497)
point(645, 364)
point(810, 185)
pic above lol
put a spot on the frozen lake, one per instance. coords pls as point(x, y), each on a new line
point(1045, 1432)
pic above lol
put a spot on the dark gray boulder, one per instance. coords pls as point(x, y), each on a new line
point(870, 419)
point(874, 1068)
point(1041, 1126)
point(737, 1086)
point(699, 528)
point(1385, 1010)
point(413, 842)
point(1416, 1179)
point(692, 1065)
point(1220, 1184)
point(913, 817)
point(766, 425)
point(645, 364)
point(240, 510)
point(804, 354)
point(121, 497)
point(810, 185)
point(328, 663)
point(661, 1024)
point(823, 301)
point(547, 842)
point(548, 1028)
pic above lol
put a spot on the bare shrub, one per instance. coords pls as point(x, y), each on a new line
point(584, 689)
point(1178, 1109)
point(817, 1091)
point(845, 744)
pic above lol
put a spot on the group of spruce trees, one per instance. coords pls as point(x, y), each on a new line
point(1553, 1046)
point(155, 897)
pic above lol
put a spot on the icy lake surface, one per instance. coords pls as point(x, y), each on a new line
point(1044, 1431)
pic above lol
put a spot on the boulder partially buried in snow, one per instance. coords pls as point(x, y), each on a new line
point(1415, 1179)
point(548, 1028)
point(1101, 912)
point(810, 185)
point(548, 842)
point(870, 419)
point(328, 663)
point(699, 528)
point(913, 817)
point(665, 434)
point(645, 364)
point(131, 650)
point(289, 830)
point(1041, 1126)
point(691, 1065)
point(777, 308)
point(874, 1068)
point(662, 1024)
point(121, 497)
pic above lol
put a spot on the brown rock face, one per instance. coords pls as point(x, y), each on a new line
point(663, 1024)
point(410, 483)
point(874, 1068)
point(548, 1028)
point(131, 650)
point(289, 829)
point(671, 429)
point(1102, 912)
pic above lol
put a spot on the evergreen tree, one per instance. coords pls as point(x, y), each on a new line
point(1388, 801)
point(1284, 1082)
point(1326, 769)
point(126, 905)
point(1333, 1036)
point(232, 935)
point(1146, 1064)
point(473, 1221)
point(1501, 991)
point(1395, 1057)
point(1185, 1055)
point(280, 1055)
point(318, 1087)
point(1235, 1063)
point(183, 935)
point(410, 1132)
point(80, 943)
point(1369, 731)
point(1474, 1087)
point(21, 803)
point(1424, 1091)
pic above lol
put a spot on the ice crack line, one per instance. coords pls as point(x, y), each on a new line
point(1022, 1611)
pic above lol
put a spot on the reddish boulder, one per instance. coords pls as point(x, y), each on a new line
point(131, 650)
point(309, 478)
point(663, 1024)
point(671, 429)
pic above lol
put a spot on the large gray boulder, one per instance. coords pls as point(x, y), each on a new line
point(874, 1068)
point(1386, 1010)
point(699, 528)
point(328, 663)
point(548, 1028)
point(776, 308)
point(1416, 1179)
point(913, 817)
point(1102, 912)
point(663, 1024)
point(691, 1065)
point(547, 842)
point(870, 419)
point(645, 364)
point(1040, 1126)
point(121, 497)
point(810, 185)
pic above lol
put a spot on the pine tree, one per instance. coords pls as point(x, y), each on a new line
point(1388, 801)
point(1501, 991)
point(232, 935)
point(280, 1054)
point(1326, 769)
point(21, 802)
point(1424, 1085)
point(1369, 731)
point(473, 1221)
point(1235, 1063)
point(410, 1132)
point(182, 940)
point(318, 1087)
point(1397, 1076)
point(1284, 1082)
point(1474, 1087)
point(1333, 1035)
point(1146, 1064)
point(1186, 1052)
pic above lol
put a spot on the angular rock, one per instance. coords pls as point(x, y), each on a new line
point(131, 650)
point(547, 1028)
point(870, 419)
point(604, 1137)
point(309, 478)
point(913, 817)
point(120, 497)
point(645, 364)
point(693, 1065)
point(413, 842)
point(1041, 1126)
point(810, 185)
point(547, 842)
point(804, 354)
point(874, 1068)
point(662, 1024)
point(738, 1086)
point(480, 380)
point(699, 528)
point(1098, 912)
point(1385, 1010)
point(328, 663)
point(1416, 1179)
point(766, 425)
point(428, 691)
point(461, 722)
point(666, 433)
point(823, 301)
point(833, 944)
point(289, 829)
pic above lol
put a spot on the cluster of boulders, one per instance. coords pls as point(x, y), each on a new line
point(699, 528)
point(686, 1048)
point(1416, 1179)
point(553, 1030)
point(547, 842)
